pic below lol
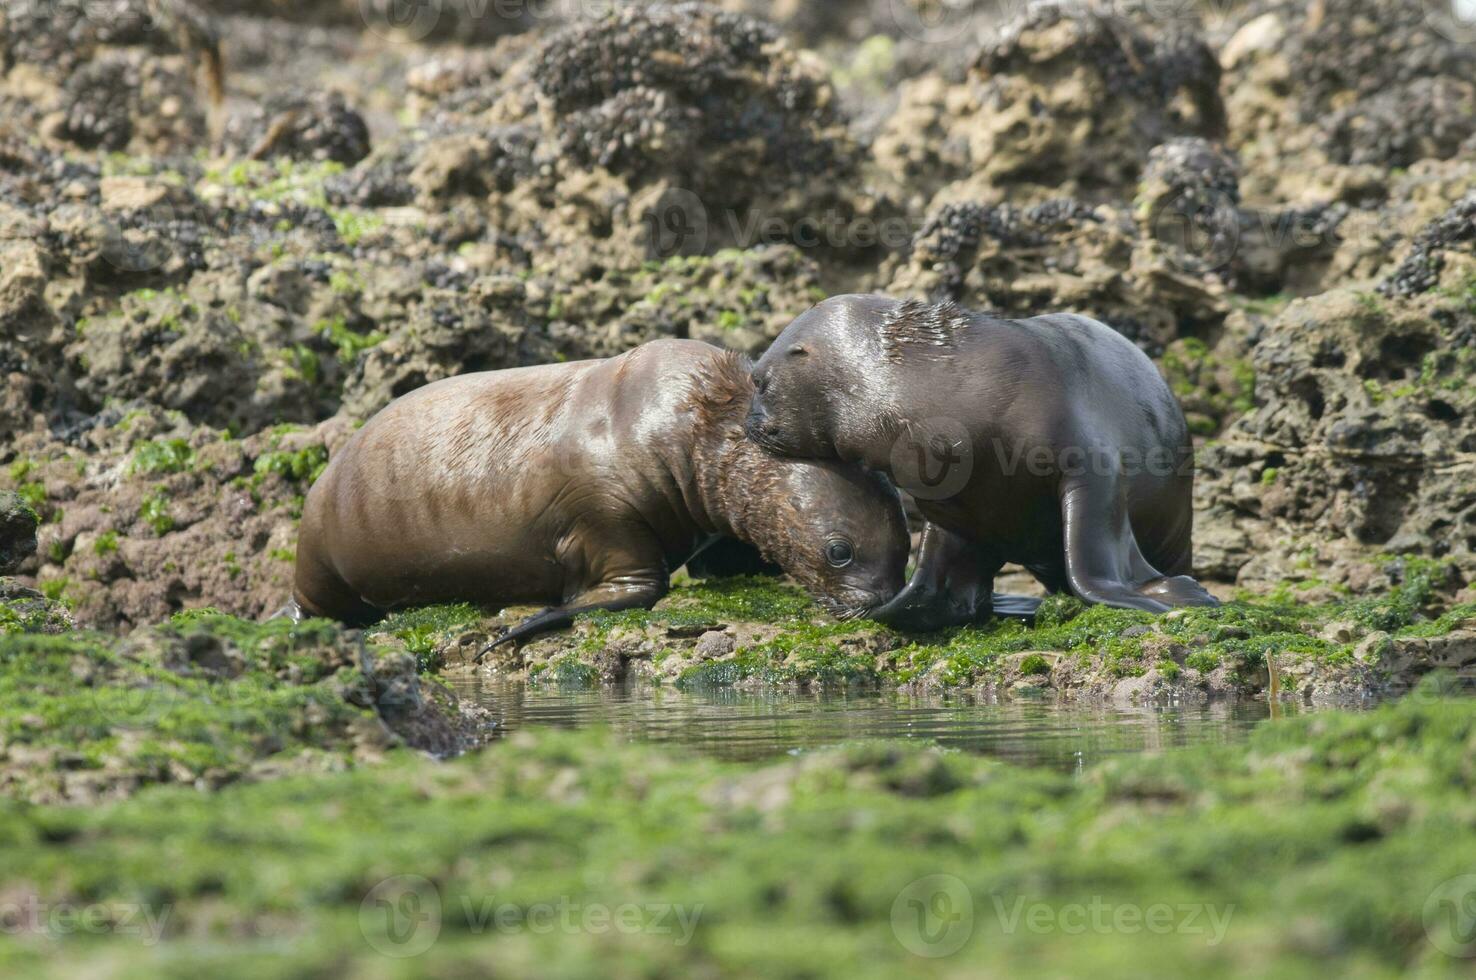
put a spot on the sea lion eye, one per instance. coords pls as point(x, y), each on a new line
point(798, 350)
point(839, 553)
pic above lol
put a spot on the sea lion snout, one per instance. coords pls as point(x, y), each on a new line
point(758, 426)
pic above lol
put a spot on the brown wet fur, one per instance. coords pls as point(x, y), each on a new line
point(581, 485)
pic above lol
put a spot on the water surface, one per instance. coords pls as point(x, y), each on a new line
point(741, 725)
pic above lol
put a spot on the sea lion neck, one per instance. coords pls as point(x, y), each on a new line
point(733, 479)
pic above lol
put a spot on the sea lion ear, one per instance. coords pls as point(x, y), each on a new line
point(798, 350)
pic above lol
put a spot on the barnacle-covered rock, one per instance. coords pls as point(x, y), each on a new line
point(314, 126)
point(1364, 427)
point(1419, 271)
point(1058, 255)
point(1368, 82)
point(111, 75)
point(1063, 98)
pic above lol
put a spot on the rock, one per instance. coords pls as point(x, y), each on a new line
point(113, 77)
point(1060, 254)
point(18, 523)
point(1373, 648)
point(1063, 97)
point(22, 282)
point(317, 126)
point(1453, 231)
point(1365, 418)
point(137, 193)
point(714, 645)
point(1378, 83)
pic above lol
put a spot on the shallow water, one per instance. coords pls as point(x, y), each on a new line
point(741, 725)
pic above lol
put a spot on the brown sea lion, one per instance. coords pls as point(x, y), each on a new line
point(1051, 442)
point(582, 485)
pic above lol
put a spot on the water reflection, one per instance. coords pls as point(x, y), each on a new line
point(741, 725)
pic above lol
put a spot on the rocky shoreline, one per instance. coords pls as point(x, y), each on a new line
point(200, 299)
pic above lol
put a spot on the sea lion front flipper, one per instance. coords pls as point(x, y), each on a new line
point(611, 597)
point(953, 585)
point(1179, 590)
point(1103, 562)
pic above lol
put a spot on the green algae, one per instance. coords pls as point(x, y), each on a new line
point(302, 466)
point(162, 456)
point(154, 511)
point(350, 343)
point(423, 630)
point(201, 697)
point(708, 604)
point(796, 867)
point(1238, 635)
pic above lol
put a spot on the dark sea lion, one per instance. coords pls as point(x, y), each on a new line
point(583, 485)
point(1051, 442)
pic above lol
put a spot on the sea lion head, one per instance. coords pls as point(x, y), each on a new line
point(835, 528)
point(805, 386)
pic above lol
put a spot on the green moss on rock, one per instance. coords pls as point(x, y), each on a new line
point(1199, 862)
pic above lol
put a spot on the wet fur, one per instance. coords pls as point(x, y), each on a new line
point(917, 329)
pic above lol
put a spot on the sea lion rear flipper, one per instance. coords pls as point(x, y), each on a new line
point(612, 598)
point(1008, 606)
point(1103, 561)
